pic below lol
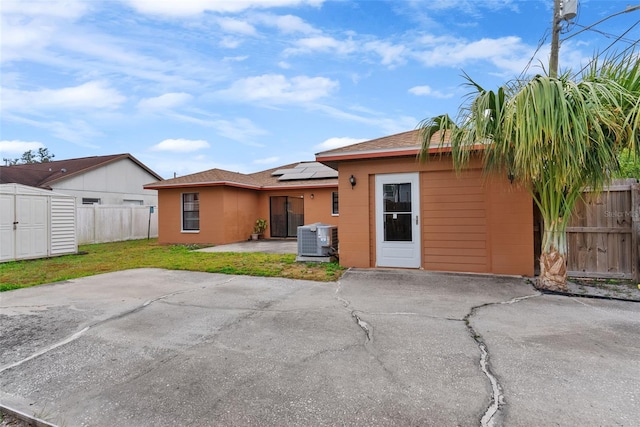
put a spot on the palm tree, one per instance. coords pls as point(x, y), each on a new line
point(554, 136)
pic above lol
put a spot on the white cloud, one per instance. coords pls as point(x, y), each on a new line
point(388, 125)
point(194, 7)
point(391, 54)
point(322, 44)
point(75, 130)
point(278, 89)
point(337, 142)
point(428, 91)
point(267, 161)
point(93, 95)
point(287, 24)
point(235, 58)
point(19, 147)
point(47, 8)
point(192, 164)
point(28, 26)
point(181, 145)
point(230, 42)
point(508, 53)
point(240, 129)
point(165, 102)
point(236, 26)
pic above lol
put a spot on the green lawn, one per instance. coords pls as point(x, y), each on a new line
point(107, 257)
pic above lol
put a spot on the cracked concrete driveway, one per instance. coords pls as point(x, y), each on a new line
point(154, 347)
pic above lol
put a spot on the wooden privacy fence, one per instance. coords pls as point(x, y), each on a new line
point(603, 235)
point(114, 223)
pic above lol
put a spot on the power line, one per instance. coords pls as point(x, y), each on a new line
point(607, 35)
point(627, 10)
point(628, 48)
point(541, 43)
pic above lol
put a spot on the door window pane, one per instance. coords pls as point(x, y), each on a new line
point(397, 227)
point(397, 212)
point(397, 197)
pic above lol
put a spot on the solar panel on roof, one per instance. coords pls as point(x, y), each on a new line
point(295, 176)
point(326, 174)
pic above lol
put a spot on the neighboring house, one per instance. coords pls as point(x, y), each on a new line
point(218, 206)
point(106, 180)
point(396, 211)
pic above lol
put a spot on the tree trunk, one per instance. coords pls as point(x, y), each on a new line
point(553, 271)
point(553, 261)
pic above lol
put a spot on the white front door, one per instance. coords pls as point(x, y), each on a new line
point(398, 220)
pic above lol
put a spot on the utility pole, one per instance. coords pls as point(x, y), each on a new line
point(555, 40)
point(565, 10)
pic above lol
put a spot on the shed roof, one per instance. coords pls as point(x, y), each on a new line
point(43, 175)
point(295, 175)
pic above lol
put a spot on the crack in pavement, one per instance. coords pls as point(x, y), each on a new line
point(494, 411)
point(79, 333)
point(497, 401)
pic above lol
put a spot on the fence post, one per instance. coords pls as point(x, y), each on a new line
point(635, 230)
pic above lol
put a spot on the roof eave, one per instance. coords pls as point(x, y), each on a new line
point(201, 184)
point(331, 160)
point(238, 185)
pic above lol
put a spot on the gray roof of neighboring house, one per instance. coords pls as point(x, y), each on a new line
point(44, 175)
point(302, 174)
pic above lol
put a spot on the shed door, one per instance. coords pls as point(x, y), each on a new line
point(32, 226)
point(7, 216)
point(398, 220)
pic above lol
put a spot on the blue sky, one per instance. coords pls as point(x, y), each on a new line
point(190, 85)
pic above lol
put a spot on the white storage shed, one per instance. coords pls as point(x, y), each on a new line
point(35, 223)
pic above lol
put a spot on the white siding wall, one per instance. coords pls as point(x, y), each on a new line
point(112, 184)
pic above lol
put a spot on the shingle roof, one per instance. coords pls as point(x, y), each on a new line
point(258, 180)
point(405, 144)
point(43, 175)
point(410, 139)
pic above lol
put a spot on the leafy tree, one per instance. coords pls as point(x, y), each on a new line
point(629, 165)
point(554, 136)
point(30, 157)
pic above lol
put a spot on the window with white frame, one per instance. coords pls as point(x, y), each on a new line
point(334, 203)
point(191, 211)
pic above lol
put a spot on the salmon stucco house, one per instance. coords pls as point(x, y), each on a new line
point(218, 206)
point(396, 211)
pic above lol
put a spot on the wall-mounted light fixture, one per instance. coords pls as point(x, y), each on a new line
point(311, 195)
point(511, 177)
point(352, 181)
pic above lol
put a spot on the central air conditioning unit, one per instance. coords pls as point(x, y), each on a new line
point(317, 240)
